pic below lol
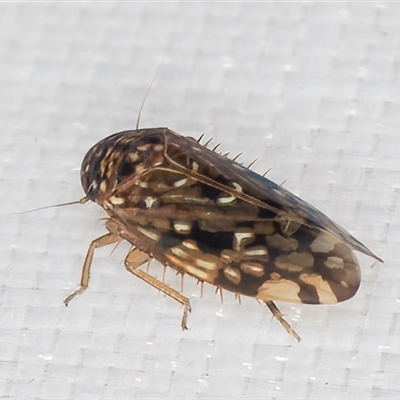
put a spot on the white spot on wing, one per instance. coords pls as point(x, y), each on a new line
point(149, 201)
point(243, 236)
point(225, 199)
point(294, 262)
point(256, 251)
point(181, 182)
point(324, 291)
point(334, 262)
point(142, 184)
point(210, 265)
point(252, 268)
point(323, 243)
point(237, 186)
point(283, 290)
point(150, 234)
point(182, 227)
point(190, 244)
point(232, 274)
point(117, 200)
point(179, 252)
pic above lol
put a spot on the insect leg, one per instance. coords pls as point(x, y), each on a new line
point(134, 260)
point(99, 242)
point(278, 315)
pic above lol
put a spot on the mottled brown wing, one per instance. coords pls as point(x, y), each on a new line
point(204, 215)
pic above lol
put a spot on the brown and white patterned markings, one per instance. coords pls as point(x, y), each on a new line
point(205, 215)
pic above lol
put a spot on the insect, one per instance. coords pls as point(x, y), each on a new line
point(205, 215)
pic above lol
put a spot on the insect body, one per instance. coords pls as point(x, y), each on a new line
point(207, 216)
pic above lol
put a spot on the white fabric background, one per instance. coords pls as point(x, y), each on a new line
point(310, 89)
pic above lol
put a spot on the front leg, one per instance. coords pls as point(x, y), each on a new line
point(102, 241)
point(134, 260)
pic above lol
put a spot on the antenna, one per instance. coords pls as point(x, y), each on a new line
point(83, 200)
point(147, 92)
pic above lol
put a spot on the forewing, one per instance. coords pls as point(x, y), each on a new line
point(203, 224)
